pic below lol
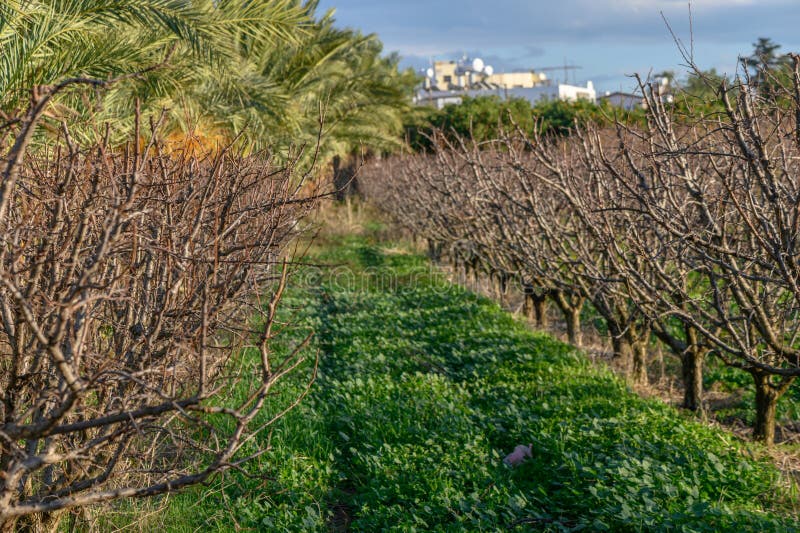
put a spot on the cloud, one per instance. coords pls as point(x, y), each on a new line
point(439, 25)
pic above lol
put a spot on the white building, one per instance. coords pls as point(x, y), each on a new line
point(569, 93)
point(626, 101)
point(448, 82)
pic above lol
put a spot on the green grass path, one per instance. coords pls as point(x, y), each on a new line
point(424, 387)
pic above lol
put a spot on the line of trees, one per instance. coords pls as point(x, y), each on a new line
point(137, 291)
point(158, 159)
point(482, 118)
point(678, 232)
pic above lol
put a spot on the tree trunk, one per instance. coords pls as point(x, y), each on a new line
point(692, 357)
point(571, 309)
point(339, 192)
point(534, 306)
point(622, 350)
point(499, 286)
point(573, 318)
point(540, 310)
point(630, 345)
point(639, 373)
point(434, 251)
point(527, 306)
point(766, 405)
point(692, 373)
point(767, 396)
point(344, 178)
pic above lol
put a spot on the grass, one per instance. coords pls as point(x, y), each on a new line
point(423, 387)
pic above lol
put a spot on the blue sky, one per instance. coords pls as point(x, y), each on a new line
point(610, 39)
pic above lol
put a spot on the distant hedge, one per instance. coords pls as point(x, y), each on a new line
point(484, 117)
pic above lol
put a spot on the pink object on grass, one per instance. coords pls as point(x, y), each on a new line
point(517, 457)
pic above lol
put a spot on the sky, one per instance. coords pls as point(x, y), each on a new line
point(609, 39)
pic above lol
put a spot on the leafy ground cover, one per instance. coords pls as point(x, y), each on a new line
point(423, 387)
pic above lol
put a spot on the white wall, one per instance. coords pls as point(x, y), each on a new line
point(569, 93)
point(534, 95)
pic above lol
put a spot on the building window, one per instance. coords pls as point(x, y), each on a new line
point(448, 79)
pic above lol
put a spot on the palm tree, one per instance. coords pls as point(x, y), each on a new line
point(46, 41)
point(272, 70)
point(328, 81)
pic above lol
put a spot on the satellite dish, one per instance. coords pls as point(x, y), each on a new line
point(488, 70)
point(430, 73)
point(477, 64)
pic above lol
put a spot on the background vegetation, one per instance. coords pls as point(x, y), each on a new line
point(485, 118)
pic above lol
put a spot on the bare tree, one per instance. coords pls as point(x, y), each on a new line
point(685, 230)
point(138, 290)
point(647, 189)
point(722, 200)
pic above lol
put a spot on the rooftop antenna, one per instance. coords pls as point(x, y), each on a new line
point(566, 68)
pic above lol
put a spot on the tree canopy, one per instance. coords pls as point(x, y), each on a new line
point(274, 71)
point(485, 117)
